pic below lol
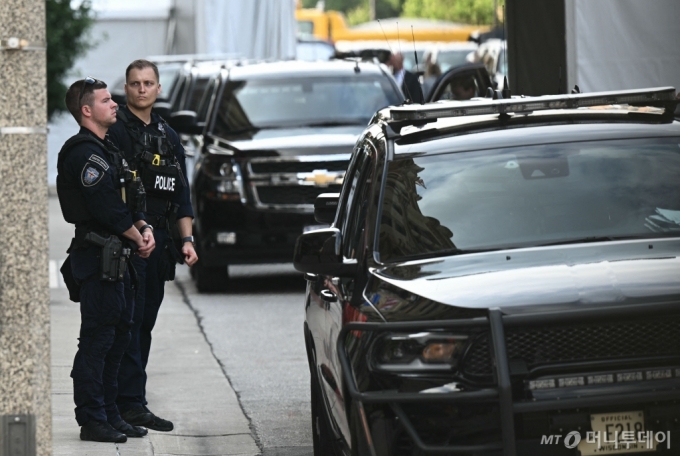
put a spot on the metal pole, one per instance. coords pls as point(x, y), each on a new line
point(371, 9)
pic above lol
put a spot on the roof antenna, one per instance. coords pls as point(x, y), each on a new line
point(385, 35)
point(415, 54)
point(559, 81)
point(388, 41)
point(506, 88)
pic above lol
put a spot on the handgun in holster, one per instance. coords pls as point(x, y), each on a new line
point(136, 192)
point(113, 259)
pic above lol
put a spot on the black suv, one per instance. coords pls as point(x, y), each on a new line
point(501, 277)
point(275, 135)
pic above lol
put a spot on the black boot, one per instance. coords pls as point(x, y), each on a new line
point(159, 424)
point(130, 430)
point(137, 416)
point(101, 431)
point(141, 416)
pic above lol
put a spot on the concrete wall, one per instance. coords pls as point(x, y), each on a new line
point(24, 290)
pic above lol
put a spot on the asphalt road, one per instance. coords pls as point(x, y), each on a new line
point(255, 331)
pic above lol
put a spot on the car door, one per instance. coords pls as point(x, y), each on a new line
point(345, 293)
point(461, 83)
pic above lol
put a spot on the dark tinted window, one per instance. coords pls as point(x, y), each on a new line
point(351, 100)
point(196, 93)
point(534, 195)
point(168, 75)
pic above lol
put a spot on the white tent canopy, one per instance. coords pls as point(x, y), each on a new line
point(262, 29)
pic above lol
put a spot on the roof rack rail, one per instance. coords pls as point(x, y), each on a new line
point(192, 57)
point(659, 97)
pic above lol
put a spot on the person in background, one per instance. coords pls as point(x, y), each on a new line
point(92, 197)
point(432, 73)
point(154, 150)
point(407, 81)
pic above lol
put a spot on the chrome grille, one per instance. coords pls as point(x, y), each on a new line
point(293, 183)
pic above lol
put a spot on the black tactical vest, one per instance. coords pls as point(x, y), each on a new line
point(71, 199)
point(155, 160)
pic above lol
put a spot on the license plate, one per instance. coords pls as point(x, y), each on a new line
point(313, 227)
point(617, 433)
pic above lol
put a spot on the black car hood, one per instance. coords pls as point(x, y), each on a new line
point(298, 141)
point(538, 279)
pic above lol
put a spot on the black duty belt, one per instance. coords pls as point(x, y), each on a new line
point(157, 221)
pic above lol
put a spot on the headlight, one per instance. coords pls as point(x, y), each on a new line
point(421, 351)
point(226, 176)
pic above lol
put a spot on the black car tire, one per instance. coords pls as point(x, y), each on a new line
point(210, 279)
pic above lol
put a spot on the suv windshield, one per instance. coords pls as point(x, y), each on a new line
point(252, 105)
point(528, 196)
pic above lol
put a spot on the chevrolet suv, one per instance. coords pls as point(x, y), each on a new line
point(275, 135)
point(501, 277)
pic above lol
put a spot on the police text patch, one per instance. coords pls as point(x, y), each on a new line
point(100, 161)
point(91, 175)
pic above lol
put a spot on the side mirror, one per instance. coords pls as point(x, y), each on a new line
point(163, 109)
point(320, 252)
point(325, 206)
point(185, 122)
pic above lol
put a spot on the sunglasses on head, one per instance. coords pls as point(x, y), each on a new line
point(87, 81)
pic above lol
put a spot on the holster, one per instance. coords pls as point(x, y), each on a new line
point(113, 259)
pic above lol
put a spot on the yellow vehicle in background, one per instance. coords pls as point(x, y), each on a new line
point(332, 26)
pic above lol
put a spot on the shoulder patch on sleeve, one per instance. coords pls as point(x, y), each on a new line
point(91, 175)
point(100, 161)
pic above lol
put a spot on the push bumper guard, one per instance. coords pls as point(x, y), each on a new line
point(497, 322)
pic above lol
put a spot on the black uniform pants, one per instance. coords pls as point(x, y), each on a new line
point(106, 318)
point(148, 297)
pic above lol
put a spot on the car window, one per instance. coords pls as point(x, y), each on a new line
point(449, 58)
point(359, 184)
point(293, 102)
point(314, 50)
point(178, 93)
point(202, 109)
point(461, 87)
point(533, 195)
point(168, 75)
point(196, 94)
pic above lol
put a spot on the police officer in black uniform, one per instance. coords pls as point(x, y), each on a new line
point(154, 150)
point(102, 197)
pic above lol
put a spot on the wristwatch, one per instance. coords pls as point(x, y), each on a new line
point(145, 227)
point(188, 239)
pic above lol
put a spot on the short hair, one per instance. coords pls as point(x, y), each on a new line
point(140, 64)
point(81, 93)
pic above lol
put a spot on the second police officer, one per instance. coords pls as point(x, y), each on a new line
point(154, 150)
point(103, 199)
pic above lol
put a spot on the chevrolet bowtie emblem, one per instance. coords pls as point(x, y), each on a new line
point(321, 177)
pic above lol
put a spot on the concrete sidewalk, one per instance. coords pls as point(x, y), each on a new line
point(185, 385)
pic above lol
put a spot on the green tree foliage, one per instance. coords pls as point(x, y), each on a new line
point(357, 11)
point(66, 29)
point(465, 11)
